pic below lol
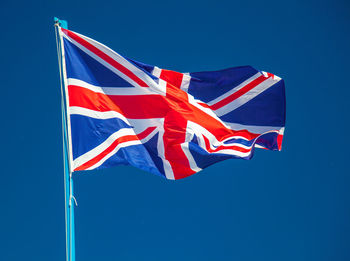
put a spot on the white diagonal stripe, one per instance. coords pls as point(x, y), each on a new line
point(114, 151)
point(235, 89)
point(100, 60)
point(100, 148)
point(121, 60)
point(149, 136)
point(246, 97)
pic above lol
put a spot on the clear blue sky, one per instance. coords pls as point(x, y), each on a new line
point(289, 205)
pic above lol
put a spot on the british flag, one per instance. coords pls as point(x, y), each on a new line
point(172, 124)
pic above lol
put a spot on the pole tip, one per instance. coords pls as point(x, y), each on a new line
point(62, 23)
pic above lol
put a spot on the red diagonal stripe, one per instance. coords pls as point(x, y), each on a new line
point(145, 133)
point(105, 57)
point(100, 156)
point(238, 93)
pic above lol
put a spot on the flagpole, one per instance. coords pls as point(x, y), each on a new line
point(68, 180)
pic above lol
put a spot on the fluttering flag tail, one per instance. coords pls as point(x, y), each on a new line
point(172, 124)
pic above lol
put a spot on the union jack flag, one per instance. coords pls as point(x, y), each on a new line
point(172, 124)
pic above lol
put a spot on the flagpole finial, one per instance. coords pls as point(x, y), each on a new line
point(61, 23)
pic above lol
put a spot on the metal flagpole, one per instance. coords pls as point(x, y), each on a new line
point(68, 180)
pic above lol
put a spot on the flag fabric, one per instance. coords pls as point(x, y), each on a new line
point(172, 124)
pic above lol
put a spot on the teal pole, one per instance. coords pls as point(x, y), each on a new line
point(68, 180)
point(69, 198)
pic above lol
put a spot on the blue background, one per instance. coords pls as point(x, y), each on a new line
point(289, 205)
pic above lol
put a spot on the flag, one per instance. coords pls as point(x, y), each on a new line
point(172, 124)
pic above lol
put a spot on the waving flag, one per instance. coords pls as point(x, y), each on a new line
point(171, 124)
